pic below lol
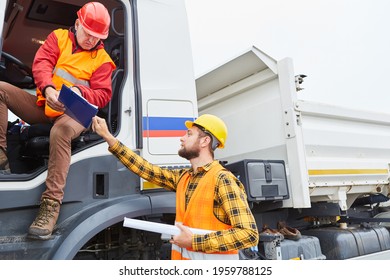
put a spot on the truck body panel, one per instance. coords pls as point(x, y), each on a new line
point(332, 154)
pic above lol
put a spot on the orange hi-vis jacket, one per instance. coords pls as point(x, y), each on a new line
point(72, 68)
point(199, 214)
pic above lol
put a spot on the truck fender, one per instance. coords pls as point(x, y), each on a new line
point(101, 219)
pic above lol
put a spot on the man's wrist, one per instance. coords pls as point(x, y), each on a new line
point(110, 139)
point(45, 89)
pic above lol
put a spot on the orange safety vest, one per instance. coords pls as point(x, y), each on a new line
point(71, 69)
point(199, 214)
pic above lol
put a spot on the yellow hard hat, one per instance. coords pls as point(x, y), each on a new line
point(213, 125)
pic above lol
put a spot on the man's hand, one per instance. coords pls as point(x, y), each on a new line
point(184, 239)
point(76, 90)
point(52, 99)
point(99, 126)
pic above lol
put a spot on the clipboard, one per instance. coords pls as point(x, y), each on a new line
point(77, 107)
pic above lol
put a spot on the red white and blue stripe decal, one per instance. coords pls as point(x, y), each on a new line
point(164, 126)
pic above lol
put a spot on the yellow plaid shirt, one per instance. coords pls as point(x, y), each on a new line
point(230, 204)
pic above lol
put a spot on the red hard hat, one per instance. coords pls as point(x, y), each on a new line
point(94, 18)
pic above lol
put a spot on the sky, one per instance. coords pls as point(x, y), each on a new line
point(341, 45)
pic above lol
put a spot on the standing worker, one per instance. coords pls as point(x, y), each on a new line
point(207, 195)
point(76, 58)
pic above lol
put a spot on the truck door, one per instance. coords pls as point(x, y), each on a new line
point(2, 15)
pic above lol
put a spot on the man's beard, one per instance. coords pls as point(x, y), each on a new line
point(189, 154)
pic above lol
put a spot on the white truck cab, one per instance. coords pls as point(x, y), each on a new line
point(153, 94)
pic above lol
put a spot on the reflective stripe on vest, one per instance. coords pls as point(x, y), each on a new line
point(69, 77)
point(184, 254)
point(200, 217)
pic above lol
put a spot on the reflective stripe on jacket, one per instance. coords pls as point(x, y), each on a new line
point(185, 254)
point(199, 214)
point(72, 68)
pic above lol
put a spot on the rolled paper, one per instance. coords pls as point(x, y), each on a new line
point(159, 227)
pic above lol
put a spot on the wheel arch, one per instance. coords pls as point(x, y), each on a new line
point(98, 221)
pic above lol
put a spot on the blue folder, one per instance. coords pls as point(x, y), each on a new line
point(77, 107)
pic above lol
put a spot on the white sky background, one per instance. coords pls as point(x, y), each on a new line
point(343, 46)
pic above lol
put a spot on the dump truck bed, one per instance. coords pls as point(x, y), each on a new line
point(332, 154)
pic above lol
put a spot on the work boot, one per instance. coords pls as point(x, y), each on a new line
point(289, 232)
point(4, 165)
point(46, 219)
